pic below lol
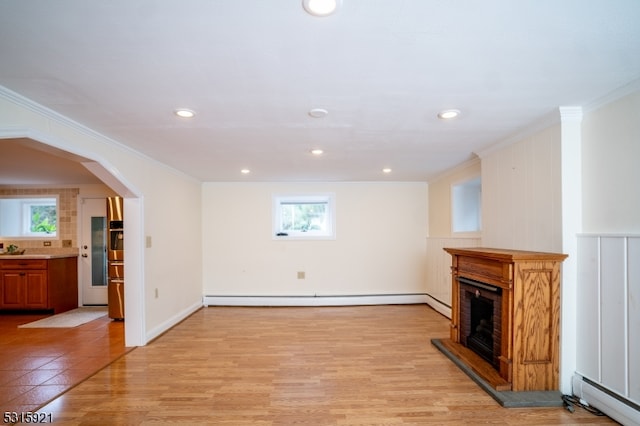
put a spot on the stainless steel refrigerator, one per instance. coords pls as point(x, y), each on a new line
point(115, 251)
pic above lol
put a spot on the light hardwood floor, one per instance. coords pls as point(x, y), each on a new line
point(283, 366)
point(38, 364)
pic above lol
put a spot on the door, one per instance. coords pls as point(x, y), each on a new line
point(93, 252)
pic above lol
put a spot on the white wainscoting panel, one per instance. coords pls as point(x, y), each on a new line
point(614, 312)
point(608, 309)
point(633, 249)
point(588, 308)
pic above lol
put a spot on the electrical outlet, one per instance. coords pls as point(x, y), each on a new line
point(66, 243)
point(148, 241)
point(47, 243)
point(156, 293)
point(301, 275)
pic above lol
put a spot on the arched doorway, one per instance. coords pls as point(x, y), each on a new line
point(133, 201)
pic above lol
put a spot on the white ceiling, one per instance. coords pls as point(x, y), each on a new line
point(253, 69)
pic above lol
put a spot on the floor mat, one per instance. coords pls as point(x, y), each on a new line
point(69, 319)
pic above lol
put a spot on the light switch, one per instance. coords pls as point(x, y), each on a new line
point(148, 241)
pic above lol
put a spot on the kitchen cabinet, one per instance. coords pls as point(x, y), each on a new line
point(38, 283)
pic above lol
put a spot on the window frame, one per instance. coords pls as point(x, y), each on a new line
point(278, 200)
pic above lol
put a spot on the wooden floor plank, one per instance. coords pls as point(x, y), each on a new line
point(283, 366)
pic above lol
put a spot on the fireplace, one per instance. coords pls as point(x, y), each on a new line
point(480, 319)
point(505, 316)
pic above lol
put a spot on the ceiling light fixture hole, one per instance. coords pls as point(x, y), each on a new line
point(318, 112)
point(320, 7)
point(184, 113)
point(448, 114)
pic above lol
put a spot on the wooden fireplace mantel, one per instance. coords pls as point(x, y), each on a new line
point(530, 320)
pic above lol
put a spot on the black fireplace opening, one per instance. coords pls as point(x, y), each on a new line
point(480, 338)
point(480, 319)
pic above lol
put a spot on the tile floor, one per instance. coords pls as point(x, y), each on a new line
point(39, 364)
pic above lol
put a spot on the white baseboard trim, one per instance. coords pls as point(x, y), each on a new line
point(614, 406)
point(337, 300)
point(166, 325)
point(438, 306)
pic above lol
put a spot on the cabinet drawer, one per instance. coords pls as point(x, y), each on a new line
point(23, 264)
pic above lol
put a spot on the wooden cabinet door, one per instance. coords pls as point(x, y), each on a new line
point(35, 290)
point(11, 290)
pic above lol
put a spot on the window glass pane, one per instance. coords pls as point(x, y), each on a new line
point(304, 216)
point(98, 251)
point(43, 218)
point(466, 206)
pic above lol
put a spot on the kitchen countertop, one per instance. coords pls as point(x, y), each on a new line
point(35, 256)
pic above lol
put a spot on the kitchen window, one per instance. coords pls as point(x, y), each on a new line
point(28, 217)
point(310, 216)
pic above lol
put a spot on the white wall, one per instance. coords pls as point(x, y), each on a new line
point(608, 332)
point(440, 215)
point(611, 167)
point(522, 209)
point(169, 211)
point(379, 249)
point(440, 234)
point(521, 194)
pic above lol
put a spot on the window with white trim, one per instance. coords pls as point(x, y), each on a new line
point(28, 217)
point(466, 204)
point(310, 216)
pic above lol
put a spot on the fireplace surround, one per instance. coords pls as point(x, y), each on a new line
point(480, 314)
point(512, 340)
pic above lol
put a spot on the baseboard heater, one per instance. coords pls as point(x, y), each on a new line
point(439, 305)
point(316, 300)
point(613, 405)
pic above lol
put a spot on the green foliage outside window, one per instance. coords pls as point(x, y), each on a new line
point(43, 219)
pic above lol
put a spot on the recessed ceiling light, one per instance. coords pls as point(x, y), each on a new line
point(245, 171)
point(184, 113)
point(386, 170)
point(317, 151)
point(318, 112)
point(448, 114)
point(320, 7)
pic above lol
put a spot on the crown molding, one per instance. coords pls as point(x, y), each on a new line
point(627, 89)
point(543, 123)
point(571, 114)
